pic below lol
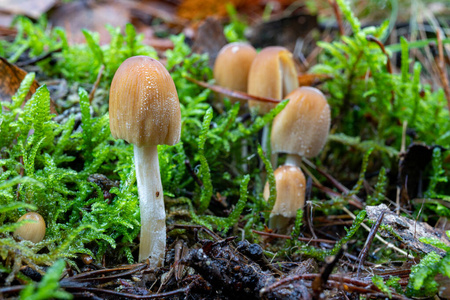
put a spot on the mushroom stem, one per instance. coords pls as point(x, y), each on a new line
point(151, 202)
point(293, 159)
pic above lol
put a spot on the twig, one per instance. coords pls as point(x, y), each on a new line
point(109, 278)
point(197, 227)
point(400, 162)
point(103, 271)
point(335, 7)
point(365, 251)
point(231, 93)
point(96, 83)
point(36, 59)
point(288, 237)
point(319, 282)
point(389, 245)
point(441, 68)
point(357, 202)
point(128, 295)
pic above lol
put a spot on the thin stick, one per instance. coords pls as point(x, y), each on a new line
point(288, 237)
point(335, 7)
point(441, 68)
point(231, 93)
point(96, 83)
point(365, 251)
point(400, 161)
point(389, 245)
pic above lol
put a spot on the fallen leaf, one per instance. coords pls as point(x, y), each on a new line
point(10, 79)
point(312, 79)
point(209, 39)
point(75, 16)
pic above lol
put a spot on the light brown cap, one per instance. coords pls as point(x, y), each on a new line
point(302, 126)
point(291, 186)
point(232, 66)
point(272, 75)
point(143, 103)
point(35, 231)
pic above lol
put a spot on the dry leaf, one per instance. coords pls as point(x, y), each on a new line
point(10, 79)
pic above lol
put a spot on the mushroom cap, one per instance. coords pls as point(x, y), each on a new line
point(232, 66)
point(302, 126)
point(34, 232)
point(272, 74)
point(291, 186)
point(143, 103)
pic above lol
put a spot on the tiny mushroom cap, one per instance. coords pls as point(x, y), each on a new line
point(232, 66)
point(291, 186)
point(33, 231)
point(144, 110)
point(143, 106)
point(273, 75)
point(302, 127)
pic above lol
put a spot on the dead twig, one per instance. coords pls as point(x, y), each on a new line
point(441, 68)
point(365, 251)
point(96, 83)
point(335, 7)
point(288, 237)
point(231, 93)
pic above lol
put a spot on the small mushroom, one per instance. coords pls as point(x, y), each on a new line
point(232, 66)
point(273, 75)
point(301, 128)
point(291, 186)
point(144, 110)
point(33, 231)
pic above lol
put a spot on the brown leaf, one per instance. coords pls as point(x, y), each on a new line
point(10, 79)
point(312, 79)
point(75, 16)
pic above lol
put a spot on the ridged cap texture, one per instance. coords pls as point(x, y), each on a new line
point(143, 103)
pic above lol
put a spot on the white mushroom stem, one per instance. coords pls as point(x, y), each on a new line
point(151, 202)
point(293, 159)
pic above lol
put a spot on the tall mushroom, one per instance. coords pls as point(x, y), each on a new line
point(291, 186)
point(301, 128)
point(232, 66)
point(144, 110)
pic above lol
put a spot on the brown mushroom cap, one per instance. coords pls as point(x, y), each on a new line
point(272, 74)
point(302, 127)
point(35, 231)
point(291, 186)
point(232, 66)
point(143, 103)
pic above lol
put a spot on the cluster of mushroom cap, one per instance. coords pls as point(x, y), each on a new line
point(300, 129)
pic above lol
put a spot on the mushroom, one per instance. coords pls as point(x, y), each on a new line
point(33, 231)
point(301, 128)
point(144, 110)
point(232, 66)
point(291, 186)
point(272, 74)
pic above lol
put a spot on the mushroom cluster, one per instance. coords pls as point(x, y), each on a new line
point(300, 129)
